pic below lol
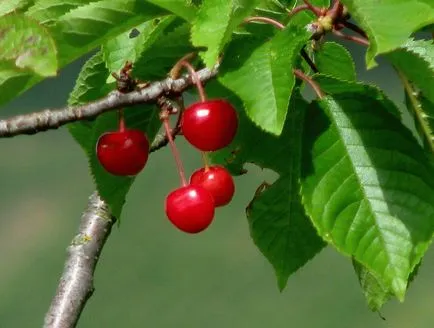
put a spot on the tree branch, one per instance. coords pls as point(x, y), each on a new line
point(54, 118)
point(76, 283)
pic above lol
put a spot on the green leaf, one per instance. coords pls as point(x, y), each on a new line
point(90, 86)
point(278, 224)
point(428, 109)
point(124, 48)
point(214, 24)
point(368, 186)
point(389, 23)
point(12, 81)
point(334, 60)
point(261, 74)
point(85, 24)
point(376, 293)
point(334, 86)
point(422, 110)
point(47, 12)
point(9, 6)
point(27, 44)
point(182, 8)
point(414, 62)
point(415, 58)
point(164, 47)
point(84, 28)
point(274, 8)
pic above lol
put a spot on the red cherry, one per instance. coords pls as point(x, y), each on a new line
point(210, 125)
point(217, 181)
point(123, 152)
point(190, 208)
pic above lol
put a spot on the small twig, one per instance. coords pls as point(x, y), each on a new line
point(353, 38)
point(354, 28)
point(54, 118)
point(315, 86)
point(266, 20)
point(76, 283)
point(308, 60)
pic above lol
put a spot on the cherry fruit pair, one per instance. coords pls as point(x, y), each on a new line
point(191, 207)
point(209, 126)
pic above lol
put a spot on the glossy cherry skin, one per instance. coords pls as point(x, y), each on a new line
point(218, 181)
point(123, 153)
point(210, 125)
point(190, 208)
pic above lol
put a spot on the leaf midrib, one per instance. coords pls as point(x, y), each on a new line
point(362, 188)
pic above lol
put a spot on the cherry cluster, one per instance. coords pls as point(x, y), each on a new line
point(208, 125)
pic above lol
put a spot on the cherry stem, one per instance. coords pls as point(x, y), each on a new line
point(121, 118)
point(175, 72)
point(312, 8)
point(355, 28)
point(335, 10)
point(281, 26)
point(309, 81)
point(205, 160)
point(353, 38)
point(181, 108)
point(298, 9)
point(195, 79)
point(175, 152)
point(265, 20)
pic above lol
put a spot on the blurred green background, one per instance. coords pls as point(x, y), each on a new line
point(151, 275)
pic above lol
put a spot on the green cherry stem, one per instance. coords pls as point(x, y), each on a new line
point(205, 160)
point(175, 152)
